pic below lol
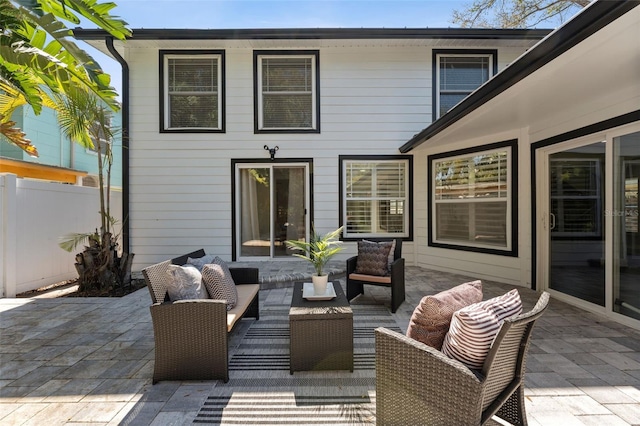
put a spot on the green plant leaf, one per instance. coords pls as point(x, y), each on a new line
point(319, 249)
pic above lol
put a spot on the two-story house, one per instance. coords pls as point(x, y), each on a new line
point(241, 139)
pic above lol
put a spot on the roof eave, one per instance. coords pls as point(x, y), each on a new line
point(589, 21)
point(319, 33)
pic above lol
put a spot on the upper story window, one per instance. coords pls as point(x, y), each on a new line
point(192, 91)
point(473, 204)
point(457, 74)
point(286, 91)
point(375, 196)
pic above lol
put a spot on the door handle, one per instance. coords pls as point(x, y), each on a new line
point(552, 223)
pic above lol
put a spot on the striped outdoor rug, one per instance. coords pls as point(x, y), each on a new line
point(261, 391)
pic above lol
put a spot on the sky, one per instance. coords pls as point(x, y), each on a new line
point(240, 14)
point(286, 14)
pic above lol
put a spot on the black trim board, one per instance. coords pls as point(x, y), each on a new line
point(593, 18)
point(567, 136)
point(410, 178)
point(513, 144)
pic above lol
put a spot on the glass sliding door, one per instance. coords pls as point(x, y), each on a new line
point(588, 250)
point(255, 204)
point(272, 207)
point(626, 206)
point(576, 258)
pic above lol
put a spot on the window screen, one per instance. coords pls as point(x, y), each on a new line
point(192, 99)
point(458, 76)
point(287, 98)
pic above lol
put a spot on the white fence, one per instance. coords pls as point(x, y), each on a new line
point(33, 216)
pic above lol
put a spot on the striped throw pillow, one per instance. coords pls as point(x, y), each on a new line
point(219, 283)
point(474, 327)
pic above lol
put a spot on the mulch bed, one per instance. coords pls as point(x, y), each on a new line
point(66, 289)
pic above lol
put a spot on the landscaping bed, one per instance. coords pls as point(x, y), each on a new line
point(69, 288)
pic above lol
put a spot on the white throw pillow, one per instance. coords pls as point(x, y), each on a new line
point(185, 283)
point(474, 327)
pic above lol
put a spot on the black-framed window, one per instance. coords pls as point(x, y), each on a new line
point(457, 73)
point(286, 91)
point(473, 199)
point(376, 196)
point(192, 91)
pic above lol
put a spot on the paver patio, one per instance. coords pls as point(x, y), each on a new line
point(90, 360)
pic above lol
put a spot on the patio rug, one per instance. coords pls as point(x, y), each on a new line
point(261, 391)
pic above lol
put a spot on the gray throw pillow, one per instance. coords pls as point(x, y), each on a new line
point(392, 251)
point(185, 283)
point(199, 262)
point(373, 257)
point(219, 283)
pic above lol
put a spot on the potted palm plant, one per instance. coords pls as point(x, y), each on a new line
point(318, 250)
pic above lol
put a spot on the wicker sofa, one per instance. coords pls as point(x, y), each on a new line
point(417, 384)
point(191, 336)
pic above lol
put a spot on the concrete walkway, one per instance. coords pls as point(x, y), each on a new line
point(90, 360)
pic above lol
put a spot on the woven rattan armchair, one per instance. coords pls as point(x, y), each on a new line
point(191, 336)
point(394, 280)
point(417, 384)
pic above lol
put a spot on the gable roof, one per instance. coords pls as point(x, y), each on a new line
point(588, 22)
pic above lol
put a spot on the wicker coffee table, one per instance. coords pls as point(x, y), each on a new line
point(321, 332)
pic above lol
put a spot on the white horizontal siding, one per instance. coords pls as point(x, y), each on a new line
point(372, 100)
point(507, 269)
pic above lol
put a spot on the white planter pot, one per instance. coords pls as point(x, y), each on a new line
point(319, 284)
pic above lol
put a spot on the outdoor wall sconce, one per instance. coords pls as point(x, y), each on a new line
point(272, 151)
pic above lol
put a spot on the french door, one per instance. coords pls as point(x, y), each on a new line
point(272, 201)
point(588, 249)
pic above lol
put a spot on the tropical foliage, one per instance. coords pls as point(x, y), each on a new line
point(515, 13)
point(85, 119)
point(319, 249)
point(39, 58)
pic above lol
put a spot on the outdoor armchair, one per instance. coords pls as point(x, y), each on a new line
point(394, 280)
point(417, 384)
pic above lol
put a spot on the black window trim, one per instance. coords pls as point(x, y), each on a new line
point(256, 97)
point(462, 52)
point(221, 90)
point(513, 189)
point(341, 188)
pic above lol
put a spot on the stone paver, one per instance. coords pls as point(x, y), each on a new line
point(90, 361)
